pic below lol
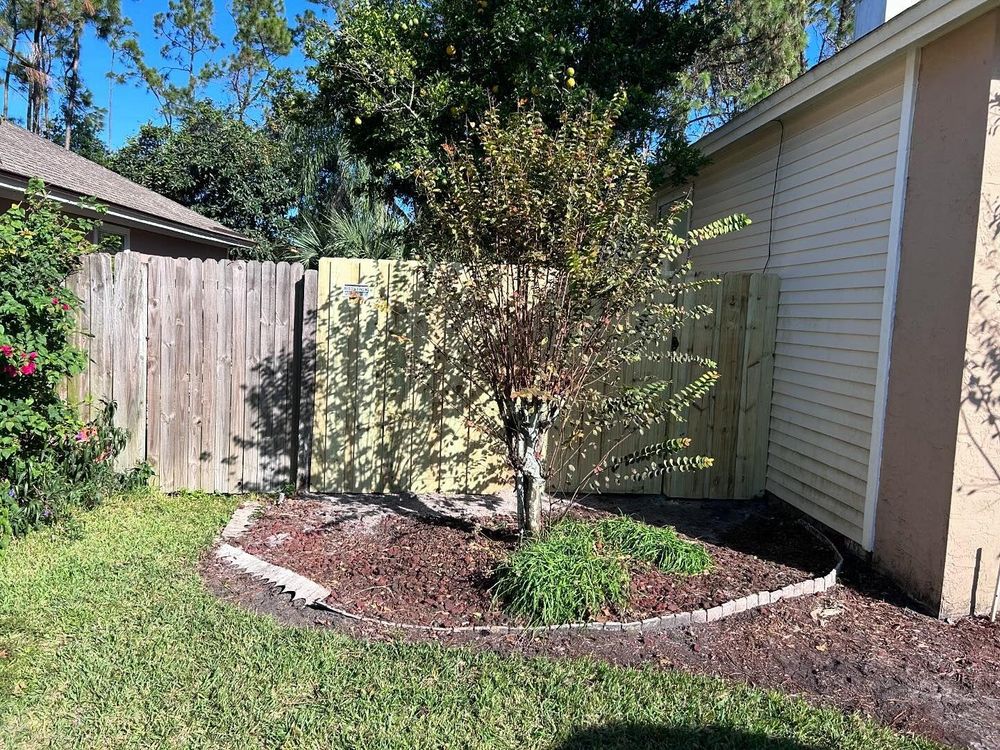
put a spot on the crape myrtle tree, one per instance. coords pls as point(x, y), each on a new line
point(547, 278)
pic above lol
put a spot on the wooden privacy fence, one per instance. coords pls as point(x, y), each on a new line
point(236, 375)
point(385, 423)
point(206, 362)
point(382, 423)
point(731, 423)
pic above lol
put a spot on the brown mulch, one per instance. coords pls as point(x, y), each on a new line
point(438, 571)
point(859, 647)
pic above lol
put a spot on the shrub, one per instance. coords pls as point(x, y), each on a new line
point(50, 459)
point(577, 569)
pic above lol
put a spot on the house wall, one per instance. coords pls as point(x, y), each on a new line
point(938, 510)
point(151, 243)
point(818, 187)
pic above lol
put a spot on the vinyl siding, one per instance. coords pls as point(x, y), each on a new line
point(821, 222)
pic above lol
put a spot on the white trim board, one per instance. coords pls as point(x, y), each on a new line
point(889, 297)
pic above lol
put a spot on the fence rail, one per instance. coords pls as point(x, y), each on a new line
point(235, 375)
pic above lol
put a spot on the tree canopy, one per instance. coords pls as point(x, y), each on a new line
point(220, 167)
point(403, 77)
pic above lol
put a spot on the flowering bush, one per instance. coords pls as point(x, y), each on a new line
point(50, 459)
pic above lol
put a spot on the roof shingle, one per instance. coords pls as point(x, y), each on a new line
point(27, 155)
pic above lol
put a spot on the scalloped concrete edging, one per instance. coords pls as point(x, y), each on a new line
point(312, 593)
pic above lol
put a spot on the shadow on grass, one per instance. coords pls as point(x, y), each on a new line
point(641, 736)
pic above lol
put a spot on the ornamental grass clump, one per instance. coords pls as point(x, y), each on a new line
point(561, 576)
point(658, 546)
point(576, 570)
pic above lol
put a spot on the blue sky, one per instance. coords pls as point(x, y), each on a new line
point(133, 105)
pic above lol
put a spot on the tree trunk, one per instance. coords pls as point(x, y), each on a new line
point(529, 487)
point(35, 85)
point(9, 71)
point(73, 84)
point(526, 423)
point(6, 84)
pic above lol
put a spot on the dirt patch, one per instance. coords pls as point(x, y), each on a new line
point(438, 570)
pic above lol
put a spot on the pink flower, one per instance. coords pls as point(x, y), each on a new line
point(29, 368)
point(86, 434)
point(32, 356)
point(6, 350)
point(10, 370)
point(65, 306)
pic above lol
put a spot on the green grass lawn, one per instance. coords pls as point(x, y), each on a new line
point(109, 640)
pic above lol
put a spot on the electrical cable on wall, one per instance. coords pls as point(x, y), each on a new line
point(774, 192)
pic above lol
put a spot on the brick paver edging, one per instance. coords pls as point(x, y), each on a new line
point(312, 593)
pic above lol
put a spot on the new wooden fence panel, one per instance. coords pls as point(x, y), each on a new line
point(385, 420)
point(208, 362)
point(392, 414)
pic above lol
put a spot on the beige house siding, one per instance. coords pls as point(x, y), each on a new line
point(818, 187)
point(939, 498)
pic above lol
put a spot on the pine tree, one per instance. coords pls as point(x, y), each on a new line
point(762, 46)
point(105, 17)
point(14, 21)
point(262, 36)
point(189, 41)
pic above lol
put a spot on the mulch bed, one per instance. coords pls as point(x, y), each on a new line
point(438, 571)
point(859, 647)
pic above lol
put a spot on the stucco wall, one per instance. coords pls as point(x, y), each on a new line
point(973, 553)
point(938, 512)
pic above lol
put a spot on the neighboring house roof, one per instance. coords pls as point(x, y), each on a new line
point(916, 25)
point(24, 155)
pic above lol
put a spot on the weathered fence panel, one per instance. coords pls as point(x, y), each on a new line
point(385, 423)
point(208, 361)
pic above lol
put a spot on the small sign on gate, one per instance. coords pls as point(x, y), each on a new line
point(357, 291)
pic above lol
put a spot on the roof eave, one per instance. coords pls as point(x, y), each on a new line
point(13, 186)
point(918, 24)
